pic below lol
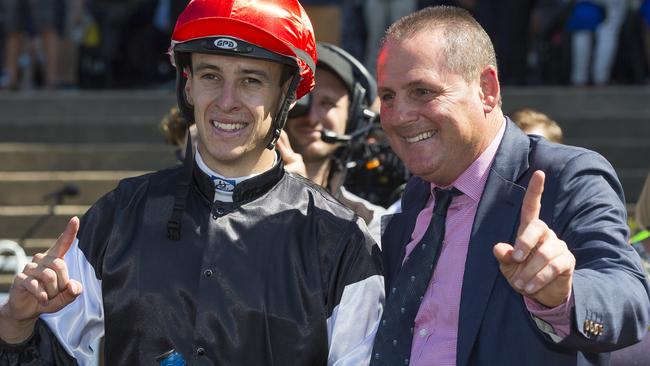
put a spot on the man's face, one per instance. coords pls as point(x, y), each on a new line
point(433, 118)
point(329, 110)
point(235, 100)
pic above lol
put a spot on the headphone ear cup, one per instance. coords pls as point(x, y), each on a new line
point(357, 105)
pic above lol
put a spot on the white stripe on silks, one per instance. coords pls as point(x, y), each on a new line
point(81, 323)
point(354, 321)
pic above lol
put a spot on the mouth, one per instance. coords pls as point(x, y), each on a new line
point(306, 131)
point(228, 126)
point(420, 137)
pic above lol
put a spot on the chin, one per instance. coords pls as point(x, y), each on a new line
point(420, 168)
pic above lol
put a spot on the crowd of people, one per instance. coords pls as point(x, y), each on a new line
point(59, 44)
point(99, 43)
point(507, 247)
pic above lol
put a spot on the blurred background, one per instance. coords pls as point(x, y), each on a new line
point(84, 85)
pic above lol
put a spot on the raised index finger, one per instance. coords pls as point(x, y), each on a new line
point(532, 200)
point(65, 240)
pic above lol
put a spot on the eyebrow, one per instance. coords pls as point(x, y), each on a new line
point(259, 73)
point(382, 89)
point(203, 66)
point(419, 83)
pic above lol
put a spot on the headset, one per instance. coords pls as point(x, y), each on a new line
point(362, 89)
point(373, 171)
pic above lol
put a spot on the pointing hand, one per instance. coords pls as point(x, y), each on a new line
point(539, 265)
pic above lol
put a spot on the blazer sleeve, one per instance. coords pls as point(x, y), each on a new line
point(611, 292)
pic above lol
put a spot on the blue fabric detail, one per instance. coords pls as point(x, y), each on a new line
point(586, 16)
point(645, 11)
point(224, 185)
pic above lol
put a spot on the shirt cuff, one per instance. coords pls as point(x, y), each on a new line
point(558, 318)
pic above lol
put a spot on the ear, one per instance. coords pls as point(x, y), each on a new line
point(490, 89)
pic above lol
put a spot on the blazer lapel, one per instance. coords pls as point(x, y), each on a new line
point(496, 220)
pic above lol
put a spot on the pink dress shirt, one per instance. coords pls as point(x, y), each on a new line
point(436, 325)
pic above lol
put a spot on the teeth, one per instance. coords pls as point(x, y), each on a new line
point(228, 126)
point(419, 137)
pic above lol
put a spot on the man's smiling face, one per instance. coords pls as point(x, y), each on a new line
point(434, 119)
point(235, 100)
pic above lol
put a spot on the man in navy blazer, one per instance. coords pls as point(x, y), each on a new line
point(535, 268)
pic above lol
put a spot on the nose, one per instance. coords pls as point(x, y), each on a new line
point(227, 99)
point(403, 110)
point(313, 116)
point(310, 117)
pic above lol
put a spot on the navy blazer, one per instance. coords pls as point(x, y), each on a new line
point(583, 203)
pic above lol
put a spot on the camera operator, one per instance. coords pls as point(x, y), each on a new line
point(325, 126)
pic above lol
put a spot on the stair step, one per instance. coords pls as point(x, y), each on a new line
point(622, 154)
point(123, 156)
point(15, 221)
point(84, 116)
point(578, 127)
point(115, 131)
point(560, 102)
point(29, 188)
point(33, 246)
point(84, 106)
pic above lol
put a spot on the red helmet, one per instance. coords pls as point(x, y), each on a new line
point(275, 30)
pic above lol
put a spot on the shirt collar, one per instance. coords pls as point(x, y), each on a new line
point(242, 188)
point(472, 181)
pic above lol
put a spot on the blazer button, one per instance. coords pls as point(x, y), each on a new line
point(200, 351)
point(207, 273)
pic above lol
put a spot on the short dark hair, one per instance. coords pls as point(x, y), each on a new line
point(467, 47)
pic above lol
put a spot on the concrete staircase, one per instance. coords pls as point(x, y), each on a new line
point(614, 121)
point(93, 139)
point(90, 139)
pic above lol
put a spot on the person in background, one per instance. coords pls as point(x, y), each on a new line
point(596, 66)
point(537, 123)
point(509, 250)
point(226, 259)
point(43, 16)
point(338, 107)
point(508, 23)
point(174, 128)
point(378, 15)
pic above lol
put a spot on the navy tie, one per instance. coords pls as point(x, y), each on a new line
point(395, 334)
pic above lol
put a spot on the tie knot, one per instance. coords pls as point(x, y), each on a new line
point(443, 199)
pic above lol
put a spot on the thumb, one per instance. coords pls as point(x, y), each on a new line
point(64, 298)
point(74, 289)
point(503, 253)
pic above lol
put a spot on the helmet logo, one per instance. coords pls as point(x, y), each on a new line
point(225, 43)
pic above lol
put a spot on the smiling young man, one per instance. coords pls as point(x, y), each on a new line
point(228, 260)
